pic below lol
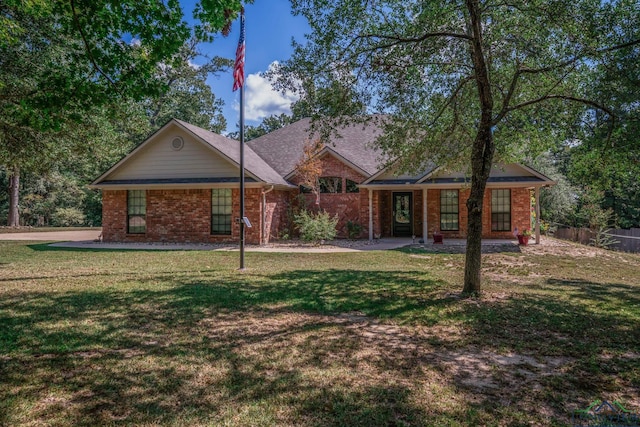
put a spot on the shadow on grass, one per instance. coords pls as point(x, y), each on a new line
point(269, 349)
point(46, 247)
point(459, 249)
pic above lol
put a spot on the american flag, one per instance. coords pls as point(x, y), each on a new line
point(238, 68)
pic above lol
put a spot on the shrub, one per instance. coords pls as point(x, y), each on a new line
point(67, 217)
point(353, 229)
point(316, 227)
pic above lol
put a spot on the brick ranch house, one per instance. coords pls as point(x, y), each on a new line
point(182, 185)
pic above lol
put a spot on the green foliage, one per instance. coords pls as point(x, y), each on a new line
point(294, 207)
point(607, 158)
point(547, 228)
point(316, 227)
point(413, 59)
point(354, 229)
point(591, 214)
point(603, 239)
point(558, 203)
point(67, 217)
point(73, 76)
point(188, 96)
point(269, 124)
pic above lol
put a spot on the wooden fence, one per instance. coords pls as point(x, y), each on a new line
point(624, 240)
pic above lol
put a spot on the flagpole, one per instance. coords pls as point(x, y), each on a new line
point(242, 160)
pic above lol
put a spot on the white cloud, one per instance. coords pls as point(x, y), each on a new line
point(193, 64)
point(262, 100)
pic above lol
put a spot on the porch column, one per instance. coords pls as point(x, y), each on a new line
point(537, 215)
point(370, 214)
point(425, 229)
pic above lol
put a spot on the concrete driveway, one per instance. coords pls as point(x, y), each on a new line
point(88, 239)
point(62, 236)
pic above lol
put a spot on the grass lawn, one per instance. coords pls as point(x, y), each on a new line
point(347, 339)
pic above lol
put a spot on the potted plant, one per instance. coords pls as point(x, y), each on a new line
point(437, 237)
point(523, 238)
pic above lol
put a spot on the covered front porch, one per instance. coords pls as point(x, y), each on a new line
point(417, 205)
point(416, 213)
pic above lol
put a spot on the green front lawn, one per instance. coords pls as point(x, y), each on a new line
point(354, 339)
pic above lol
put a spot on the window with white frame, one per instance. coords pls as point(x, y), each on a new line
point(501, 209)
point(449, 209)
point(136, 211)
point(221, 210)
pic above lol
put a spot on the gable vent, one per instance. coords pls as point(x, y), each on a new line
point(177, 143)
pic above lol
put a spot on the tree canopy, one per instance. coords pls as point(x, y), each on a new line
point(67, 67)
point(466, 83)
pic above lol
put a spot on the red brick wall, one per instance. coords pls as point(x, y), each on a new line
point(433, 211)
point(364, 212)
point(182, 216)
point(347, 206)
point(520, 213)
point(277, 203)
point(417, 213)
point(114, 215)
point(386, 213)
point(185, 215)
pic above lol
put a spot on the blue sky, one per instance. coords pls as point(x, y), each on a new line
point(269, 26)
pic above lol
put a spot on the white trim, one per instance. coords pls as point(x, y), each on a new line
point(447, 186)
point(370, 215)
point(428, 174)
point(425, 229)
point(185, 186)
point(536, 173)
point(377, 174)
point(545, 180)
point(537, 196)
point(388, 168)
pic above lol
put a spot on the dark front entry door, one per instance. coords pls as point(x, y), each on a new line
point(402, 208)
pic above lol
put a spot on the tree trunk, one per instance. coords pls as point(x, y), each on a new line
point(481, 155)
point(14, 196)
point(481, 168)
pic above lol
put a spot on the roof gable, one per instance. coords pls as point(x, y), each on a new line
point(283, 148)
point(203, 155)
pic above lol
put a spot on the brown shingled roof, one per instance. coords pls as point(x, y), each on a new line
point(282, 148)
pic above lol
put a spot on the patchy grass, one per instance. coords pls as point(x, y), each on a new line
point(360, 339)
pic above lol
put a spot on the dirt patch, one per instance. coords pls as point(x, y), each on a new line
point(369, 345)
point(552, 246)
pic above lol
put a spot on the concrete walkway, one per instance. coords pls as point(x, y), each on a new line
point(70, 236)
point(89, 239)
point(286, 247)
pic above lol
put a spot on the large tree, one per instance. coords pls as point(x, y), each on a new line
point(608, 160)
point(63, 61)
point(188, 96)
point(464, 82)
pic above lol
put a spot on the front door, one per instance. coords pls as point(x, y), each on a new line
point(402, 207)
